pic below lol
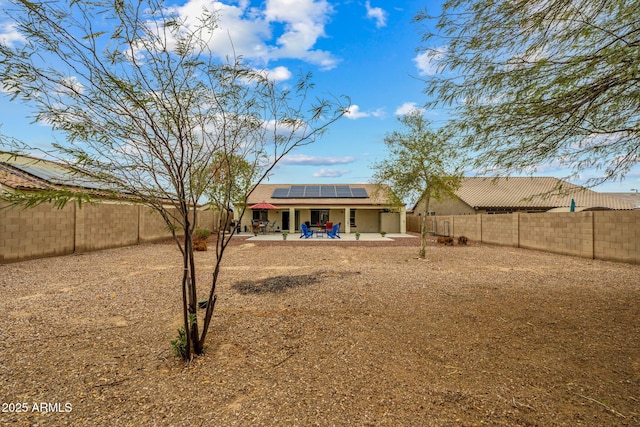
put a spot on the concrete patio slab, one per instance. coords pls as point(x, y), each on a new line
point(343, 237)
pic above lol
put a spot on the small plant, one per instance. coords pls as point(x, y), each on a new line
point(462, 240)
point(445, 240)
point(199, 238)
point(357, 235)
point(201, 233)
point(383, 233)
point(180, 344)
point(284, 235)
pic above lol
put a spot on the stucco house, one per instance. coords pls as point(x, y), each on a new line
point(356, 207)
point(484, 195)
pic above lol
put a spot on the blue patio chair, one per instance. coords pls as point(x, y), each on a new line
point(335, 231)
point(305, 232)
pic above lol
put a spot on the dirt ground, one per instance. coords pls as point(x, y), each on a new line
point(324, 333)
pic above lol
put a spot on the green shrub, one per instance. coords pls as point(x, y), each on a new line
point(201, 233)
point(180, 344)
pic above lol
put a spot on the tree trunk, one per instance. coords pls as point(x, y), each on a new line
point(424, 232)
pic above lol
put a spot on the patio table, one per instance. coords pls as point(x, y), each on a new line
point(320, 233)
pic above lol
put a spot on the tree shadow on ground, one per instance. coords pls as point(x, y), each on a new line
point(276, 284)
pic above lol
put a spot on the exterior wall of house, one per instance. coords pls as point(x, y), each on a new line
point(367, 221)
point(606, 235)
point(390, 222)
point(451, 206)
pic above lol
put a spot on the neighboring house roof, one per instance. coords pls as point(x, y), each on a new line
point(318, 195)
point(28, 173)
point(12, 178)
point(532, 193)
point(633, 198)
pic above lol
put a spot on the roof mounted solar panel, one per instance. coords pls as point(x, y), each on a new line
point(280, 193)
point(359, 192)
point(61, 177)
point(312, 191)
point(328, 191)
point(296, 191)
point(320, 192)
point(343, 191)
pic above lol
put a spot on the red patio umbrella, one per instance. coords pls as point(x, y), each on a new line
point(263, 205)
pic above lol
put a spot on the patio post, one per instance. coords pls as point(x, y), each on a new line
point(292, 220)
point(403, 220)
point(347, 220)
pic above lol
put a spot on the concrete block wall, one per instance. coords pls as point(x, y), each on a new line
point(36, 232)
point(151, 225)
point(569, 233)
point(44, 230)
point(106, 225)
point(607, 235)
point(617, 236)
point(500, 229)
point(469, 226)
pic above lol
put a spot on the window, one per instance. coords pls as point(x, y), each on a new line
point(352, 217)
point(262, 215)
point(319, 216)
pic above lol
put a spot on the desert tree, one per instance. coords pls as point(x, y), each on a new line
point(149, 113)
point(537, 82)
point(421, 164)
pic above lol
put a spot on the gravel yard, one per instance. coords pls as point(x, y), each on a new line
point(324, 333)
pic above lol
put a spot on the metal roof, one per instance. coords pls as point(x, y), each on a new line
point(532, 192)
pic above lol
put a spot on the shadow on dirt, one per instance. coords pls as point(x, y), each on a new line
point(276, 284)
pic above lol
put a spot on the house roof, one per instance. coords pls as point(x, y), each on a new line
point(633, 198)
point(285, 195)
point(532, 192)
point(12, 178)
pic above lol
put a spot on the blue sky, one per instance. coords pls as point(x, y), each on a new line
point(363, 49)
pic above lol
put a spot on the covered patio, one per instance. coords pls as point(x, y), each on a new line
point(344, 237)
point(355, 207)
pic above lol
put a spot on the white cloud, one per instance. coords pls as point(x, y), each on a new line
point(354, 113)
point(407, 108)
point(302, 159)
point(251, 31)
point(277, 74)
point(378, 14)
point(9, 35)
point(427, 62)
point(331, 173)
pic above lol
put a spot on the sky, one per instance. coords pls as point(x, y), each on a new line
point(366, 50)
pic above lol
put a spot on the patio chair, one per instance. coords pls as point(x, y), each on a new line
point(305, 231)
point(272, 226)
point(335, 232)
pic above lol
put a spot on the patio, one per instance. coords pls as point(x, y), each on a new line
point(344, 237)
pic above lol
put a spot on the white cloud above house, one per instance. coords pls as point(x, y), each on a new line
point(331, 173)
point(377, 14)
point(354, 113)
point(9, 35)
point(427, 62)
point(277, 74)
point(407, 108)
point(306, 160)
point(278, 29)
